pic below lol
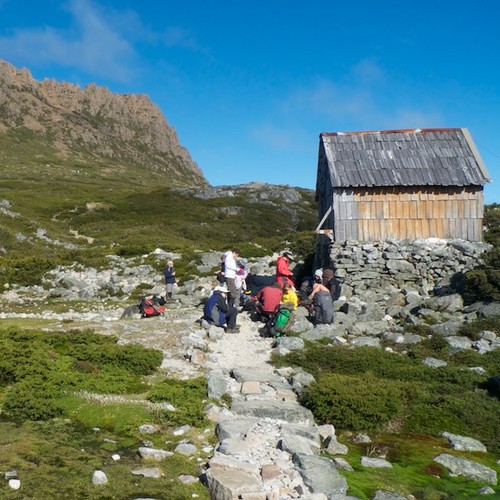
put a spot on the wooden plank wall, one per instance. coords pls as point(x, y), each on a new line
point(375, 215)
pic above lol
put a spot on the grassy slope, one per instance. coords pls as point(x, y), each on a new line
point(132, 211)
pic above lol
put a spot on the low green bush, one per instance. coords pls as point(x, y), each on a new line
point(473, 329)
point(461, 411)
point(24, 271)
point(188, 398)
point(357, 403)
point(40, 366)
point(318, 358)
point(33, 398)
point(367, 388)
point(130, 357)
point(483, 282)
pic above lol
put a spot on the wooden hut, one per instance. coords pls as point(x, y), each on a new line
point(400, 184)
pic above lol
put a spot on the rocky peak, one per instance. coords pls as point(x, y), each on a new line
point(93, 124)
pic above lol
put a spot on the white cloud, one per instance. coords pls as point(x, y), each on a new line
point(368, 72)
point(179, 37)
point(90, 44)
point(98, 40)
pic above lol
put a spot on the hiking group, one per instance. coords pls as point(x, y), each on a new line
point(274, 304)
point(272, 300)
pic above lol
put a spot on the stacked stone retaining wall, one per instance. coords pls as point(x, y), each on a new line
point(380, 268)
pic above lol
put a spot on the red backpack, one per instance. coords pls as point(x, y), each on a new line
point(154, 306)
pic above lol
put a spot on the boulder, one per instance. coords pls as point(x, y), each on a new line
point(320, 474)
point(474, 471)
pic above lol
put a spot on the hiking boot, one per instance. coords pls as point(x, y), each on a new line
point(232, 330)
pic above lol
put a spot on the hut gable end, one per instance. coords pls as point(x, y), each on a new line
point(400, 184)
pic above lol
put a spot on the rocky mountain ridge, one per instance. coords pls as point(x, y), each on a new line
point(90, 126)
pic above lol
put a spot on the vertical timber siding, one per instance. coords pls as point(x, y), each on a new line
point(375, 214)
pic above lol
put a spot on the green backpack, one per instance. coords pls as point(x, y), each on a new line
point(281, 321)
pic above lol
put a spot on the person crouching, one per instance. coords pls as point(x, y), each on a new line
point(218, 312)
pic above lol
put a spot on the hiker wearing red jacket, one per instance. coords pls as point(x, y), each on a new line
point(268, 299)
point(283, 273)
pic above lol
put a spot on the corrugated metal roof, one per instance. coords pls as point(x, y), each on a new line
point(420, 157)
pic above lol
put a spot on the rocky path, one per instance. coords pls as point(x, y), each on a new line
point(268, 445)
point(244, 349)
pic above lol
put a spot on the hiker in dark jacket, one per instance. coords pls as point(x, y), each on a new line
point(170, 281)
point(218, 312)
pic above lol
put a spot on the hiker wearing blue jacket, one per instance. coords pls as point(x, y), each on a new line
point(170, 281)
point(218, 312)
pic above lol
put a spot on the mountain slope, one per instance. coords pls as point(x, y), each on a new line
point(86, 170)
point(53, 129)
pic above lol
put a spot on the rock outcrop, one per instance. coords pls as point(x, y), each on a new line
point(92, 127)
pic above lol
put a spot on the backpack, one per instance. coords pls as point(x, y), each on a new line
point(335, 288)
point(154, 306)
point(282, 319)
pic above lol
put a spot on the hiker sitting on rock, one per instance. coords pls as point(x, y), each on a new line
point(218, 312)
point(290, 295)
point(322, 303)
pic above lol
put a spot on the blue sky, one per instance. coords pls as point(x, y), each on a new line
point(249, 86)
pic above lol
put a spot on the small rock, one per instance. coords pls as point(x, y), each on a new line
point(198, 358)
point(153, 472)
point(325, 431)
point(147, 429)
point(181, 430)
point(361, 439)
point(434, 363)
point(342, 464)
point(477, 369)
point(99, 477)
point(270, 472)
point(464, 443)
point(375, 462)
point(458, 466)
point(335, 448)
point(250, 387)
point(153, 454)
point(186, 449)
point(186, 479)
point(14, 484)
point(486, 490)
point(388, 495)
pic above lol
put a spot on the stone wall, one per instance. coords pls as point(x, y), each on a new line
point(378, 269)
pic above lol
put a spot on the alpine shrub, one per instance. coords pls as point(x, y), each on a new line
point(353, 402)
point(32, 399)
point(187, 396)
